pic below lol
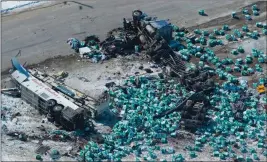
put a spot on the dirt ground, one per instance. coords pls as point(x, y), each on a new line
point(91, 78)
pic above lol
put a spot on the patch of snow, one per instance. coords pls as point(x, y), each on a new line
point(7, 6)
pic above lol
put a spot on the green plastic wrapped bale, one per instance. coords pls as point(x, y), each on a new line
point(205, 32)
point(201, 12)
point(234, 15)
point(54, 154)
point(211, 36)
point(256, 13)
point(237, 33)
point(222, 157)
point(222, 32)
point(256, 33)
point(239, 61)
point(167, 151)
point(197, 31)
point(264, 25)
point(216, 31)
point(245, 67)
point(178, 158)
point(39, 157)
point(240, 49)
point(237, 69)
point(240, 158)
point(245, 28)
point(226, 27)
point(234, 52)
point(264, 31)
point(212, 43)
point(255, 53)
point(192, 154)
point(203, 41)
point(248, 60)
point(228, 37)
point(181, 34)
point(197, 40)
point(259, 24)
point(201, 63)
point(258, 68)
point(216, 153)
point(225, 62)
point(248, 17)
point(261, 60)
point(228, 69)
point(219, 42)
point(175, 28)
point(198, 54)
point(255, 156)
point(245, 11)
point(249, 159)
point(244, 73)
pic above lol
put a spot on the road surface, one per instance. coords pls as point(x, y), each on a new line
point(42, 33)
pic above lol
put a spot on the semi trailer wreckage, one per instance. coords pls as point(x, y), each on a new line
point(150, 36)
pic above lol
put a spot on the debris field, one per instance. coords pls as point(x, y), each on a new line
point(174, 94)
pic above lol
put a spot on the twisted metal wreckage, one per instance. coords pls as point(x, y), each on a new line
point(154, 38)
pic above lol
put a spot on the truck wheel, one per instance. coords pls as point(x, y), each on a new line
point(51, 103)
point(137, 13)
point(58, 108)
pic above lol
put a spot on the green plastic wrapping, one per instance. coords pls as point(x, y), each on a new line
point(201, 12)
point(226, 27)
point(216, 31)
point(240, 49)
point(259, 24)
point(256, 13)
point(245, 11)
point(234, 52)
point(245, 28)
point(234, 15)
point(197, 31)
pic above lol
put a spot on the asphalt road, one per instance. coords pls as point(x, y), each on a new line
point(42, 33)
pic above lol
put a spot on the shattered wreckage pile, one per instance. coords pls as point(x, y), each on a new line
point(228, 116)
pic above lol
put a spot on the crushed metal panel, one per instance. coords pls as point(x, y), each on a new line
point(19, 77)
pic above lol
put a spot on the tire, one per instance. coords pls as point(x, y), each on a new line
point(50, 118)
point(51, 103)
point(137, 13)
point(58, 108)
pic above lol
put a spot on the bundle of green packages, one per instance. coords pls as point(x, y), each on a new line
point(226, 27)
point(234, 52)
point(240, 49)
point(245, 28)
point(259, 24)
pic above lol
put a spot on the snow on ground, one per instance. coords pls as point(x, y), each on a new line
point(18, 116)
point(7, 6)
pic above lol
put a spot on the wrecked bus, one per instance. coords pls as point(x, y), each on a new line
point(58, 107)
